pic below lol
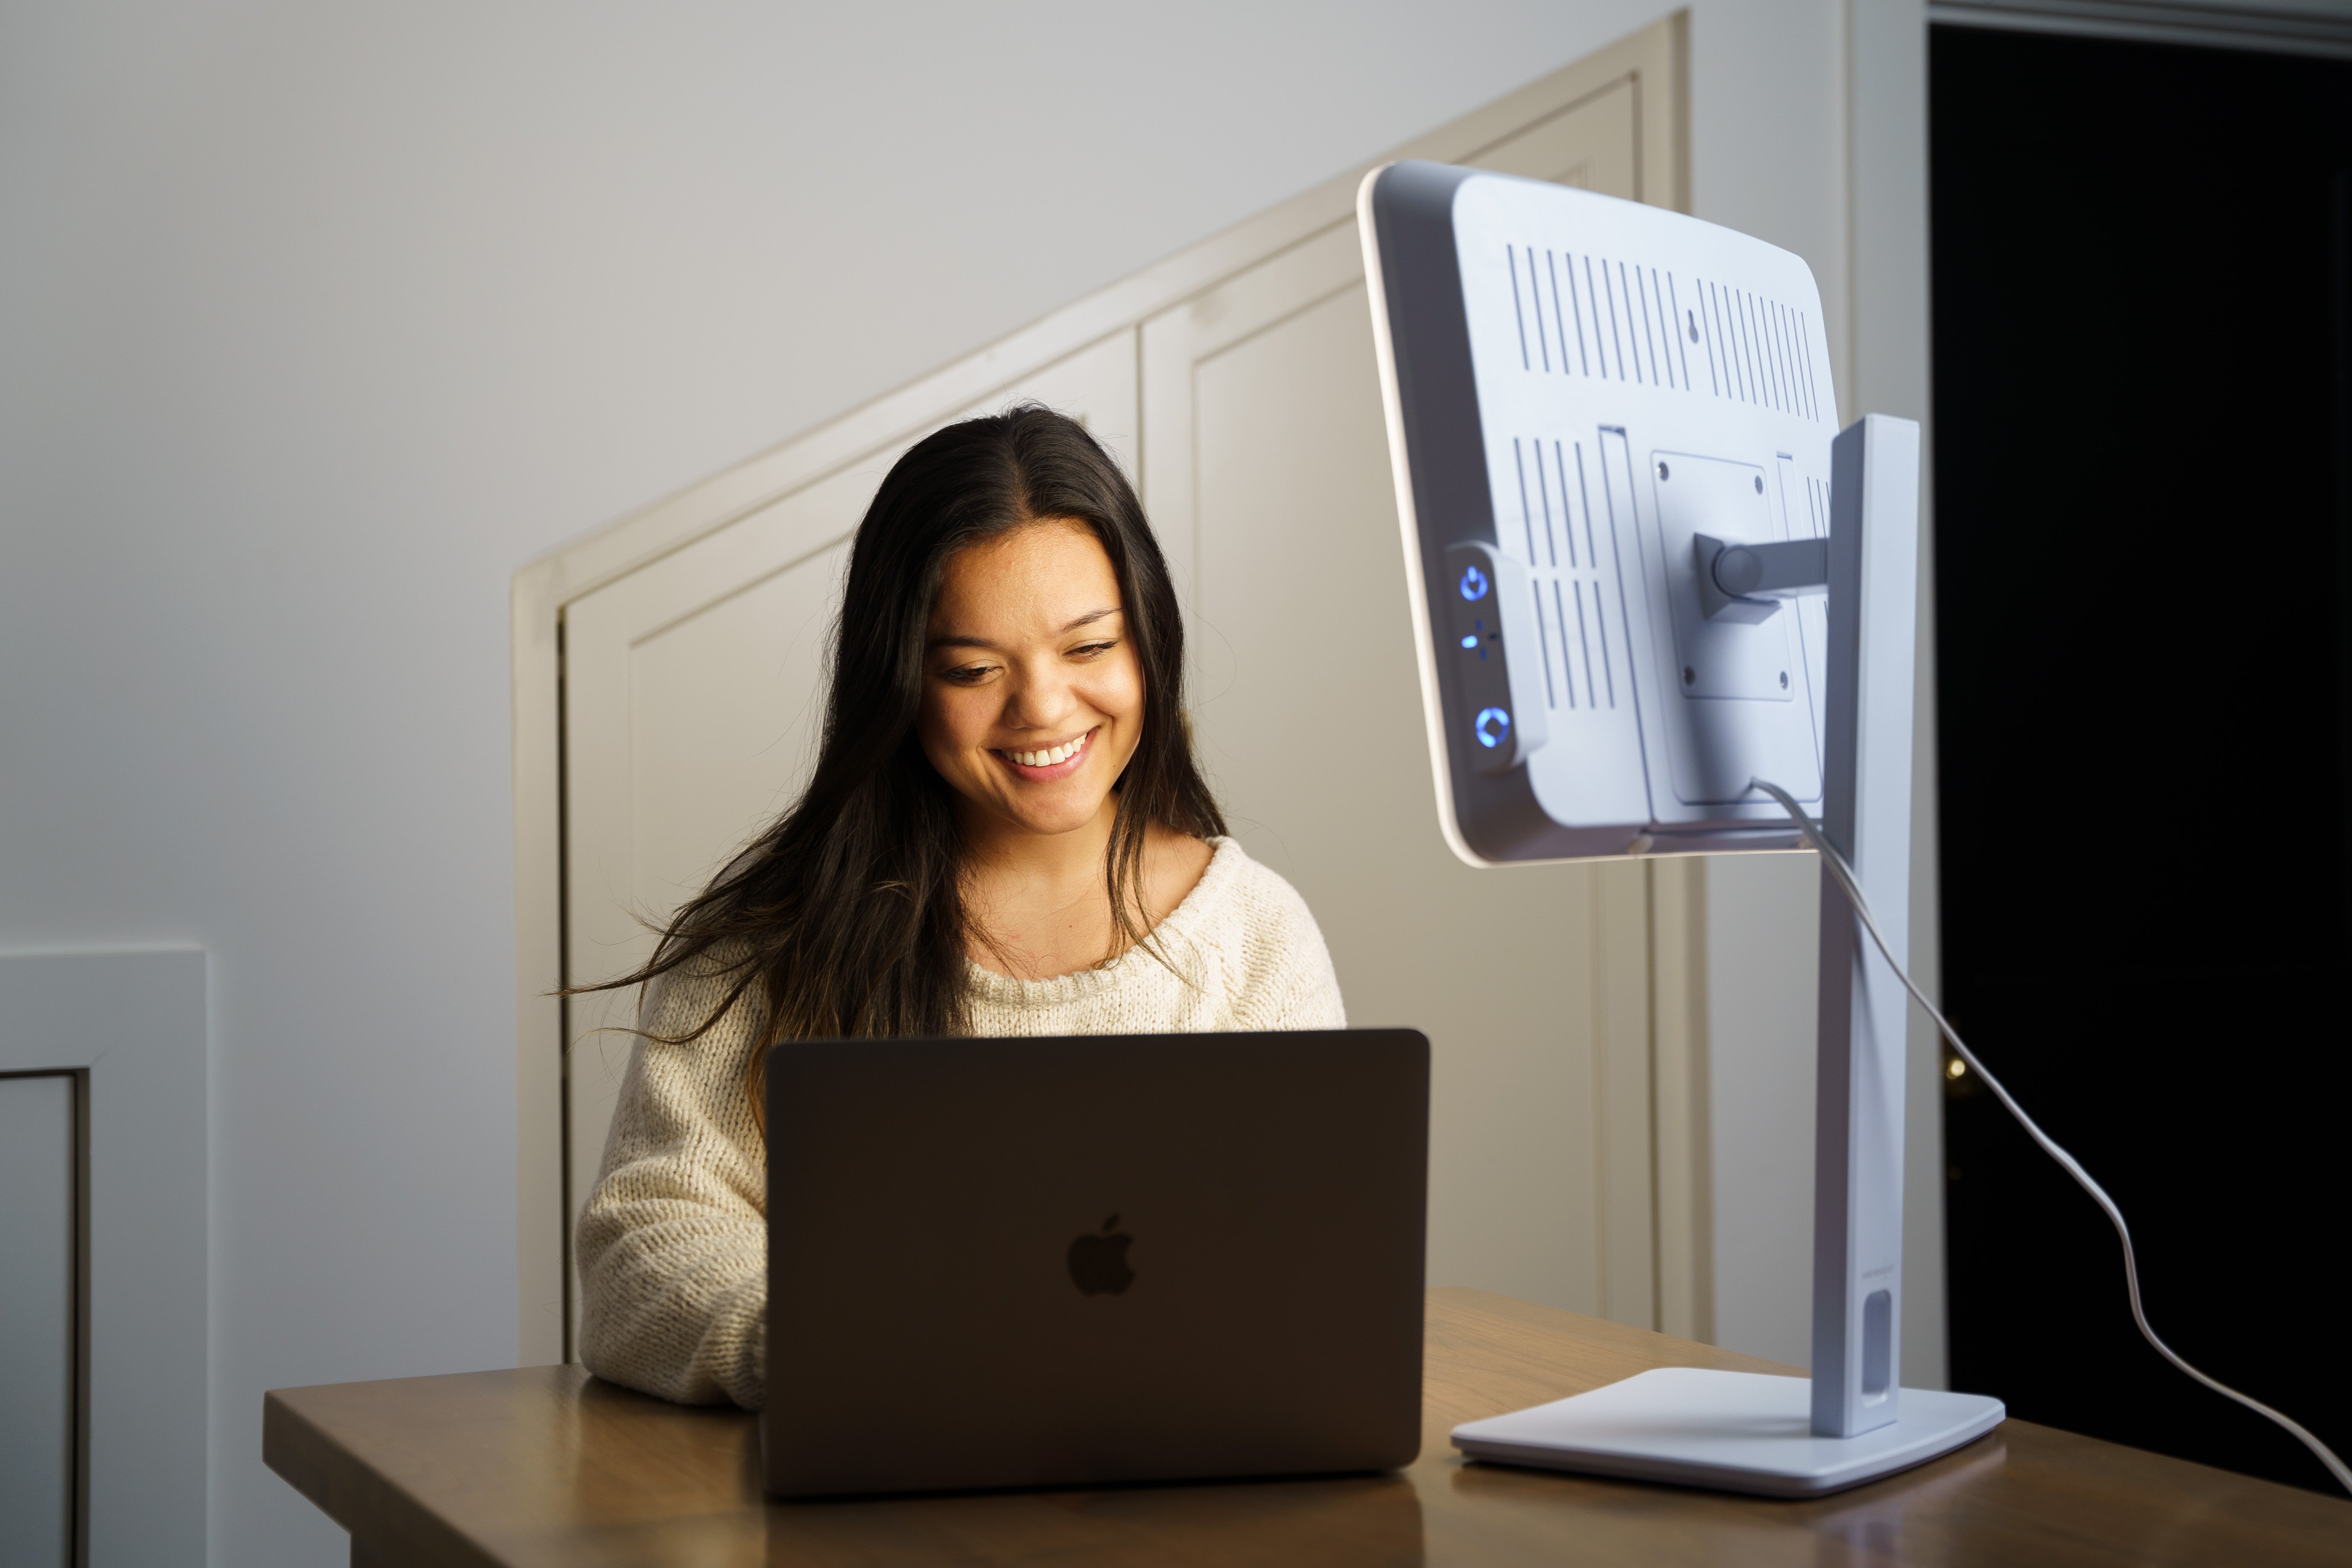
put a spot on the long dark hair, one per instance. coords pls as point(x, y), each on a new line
point(849, 910)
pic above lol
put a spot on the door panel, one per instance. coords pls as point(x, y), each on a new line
point(692, 692)
point(1267, 462)
point(1592, 144)
point(1175, 341)
point(1311, 728)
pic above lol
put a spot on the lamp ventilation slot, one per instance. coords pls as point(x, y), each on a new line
point(1607, 320)
point(1565, 574)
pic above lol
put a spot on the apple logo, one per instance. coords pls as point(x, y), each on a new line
point(1098, 1262)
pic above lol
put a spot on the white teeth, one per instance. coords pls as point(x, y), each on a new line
point(1050, 754)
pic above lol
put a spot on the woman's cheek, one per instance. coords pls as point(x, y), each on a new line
point(948, 726)
point(1123, 693)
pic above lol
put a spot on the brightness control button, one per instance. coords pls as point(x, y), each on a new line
point(1486, 613)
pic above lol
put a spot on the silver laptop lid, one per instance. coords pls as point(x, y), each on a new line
point(1059, 1261)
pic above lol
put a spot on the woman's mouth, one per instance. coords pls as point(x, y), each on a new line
point(1044, 763)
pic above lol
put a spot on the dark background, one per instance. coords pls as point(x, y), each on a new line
point(2143, 470)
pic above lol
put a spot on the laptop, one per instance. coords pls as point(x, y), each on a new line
point(1077, 1261)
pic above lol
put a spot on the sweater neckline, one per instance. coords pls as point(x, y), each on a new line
point(1180, 923)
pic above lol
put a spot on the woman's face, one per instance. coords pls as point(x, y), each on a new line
point(1032, 696)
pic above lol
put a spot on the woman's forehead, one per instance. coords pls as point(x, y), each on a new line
point(1039, 580)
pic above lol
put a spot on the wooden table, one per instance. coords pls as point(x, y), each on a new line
point(548, 1466)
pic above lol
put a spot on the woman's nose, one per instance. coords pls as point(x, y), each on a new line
point(1038, 700)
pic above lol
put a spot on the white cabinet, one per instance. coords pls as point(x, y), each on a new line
point(1237, 381)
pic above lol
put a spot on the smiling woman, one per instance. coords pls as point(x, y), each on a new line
point(1031, 711)
point(1005, 833)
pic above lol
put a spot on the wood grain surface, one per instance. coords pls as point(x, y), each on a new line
point(548, 1466)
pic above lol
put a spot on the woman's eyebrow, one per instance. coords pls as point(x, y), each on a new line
point(962, 640)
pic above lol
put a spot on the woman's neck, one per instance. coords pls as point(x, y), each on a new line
point(1004, 853)
point(1039, 902)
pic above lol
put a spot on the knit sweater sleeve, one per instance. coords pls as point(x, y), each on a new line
point(673, 1244)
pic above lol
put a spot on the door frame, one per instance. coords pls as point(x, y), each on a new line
point(132, 1028)
point(1655, 59)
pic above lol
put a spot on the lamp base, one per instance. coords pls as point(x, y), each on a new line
point(1729, 1431)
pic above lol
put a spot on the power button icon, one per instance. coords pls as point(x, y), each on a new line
point(1474, 584)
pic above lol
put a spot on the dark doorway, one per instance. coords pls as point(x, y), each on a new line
point(2143, 385)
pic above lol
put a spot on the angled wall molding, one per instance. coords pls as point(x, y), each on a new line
point(133, 1025)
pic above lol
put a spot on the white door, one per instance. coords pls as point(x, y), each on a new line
point(689, 669)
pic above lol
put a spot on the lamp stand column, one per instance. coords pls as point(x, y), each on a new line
point(1874, 571)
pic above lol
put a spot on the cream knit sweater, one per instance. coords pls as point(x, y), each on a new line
point(673, 1246)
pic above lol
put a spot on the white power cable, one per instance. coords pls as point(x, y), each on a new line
point(2073, 1167)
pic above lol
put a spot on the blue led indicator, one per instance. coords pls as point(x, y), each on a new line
point(1469, 642)
point(1474, 584)
point(1493, 727)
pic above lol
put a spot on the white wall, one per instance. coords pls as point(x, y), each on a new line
point(317, 321)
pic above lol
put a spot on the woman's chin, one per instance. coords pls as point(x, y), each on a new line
point(1054, 824)
point(1051, 811)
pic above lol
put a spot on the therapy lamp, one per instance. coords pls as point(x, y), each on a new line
point(1653, 589)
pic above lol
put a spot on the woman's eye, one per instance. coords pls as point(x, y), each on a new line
point(1089, 650)
point(969, 675)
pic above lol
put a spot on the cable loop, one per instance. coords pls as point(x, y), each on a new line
point(1845, 877)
